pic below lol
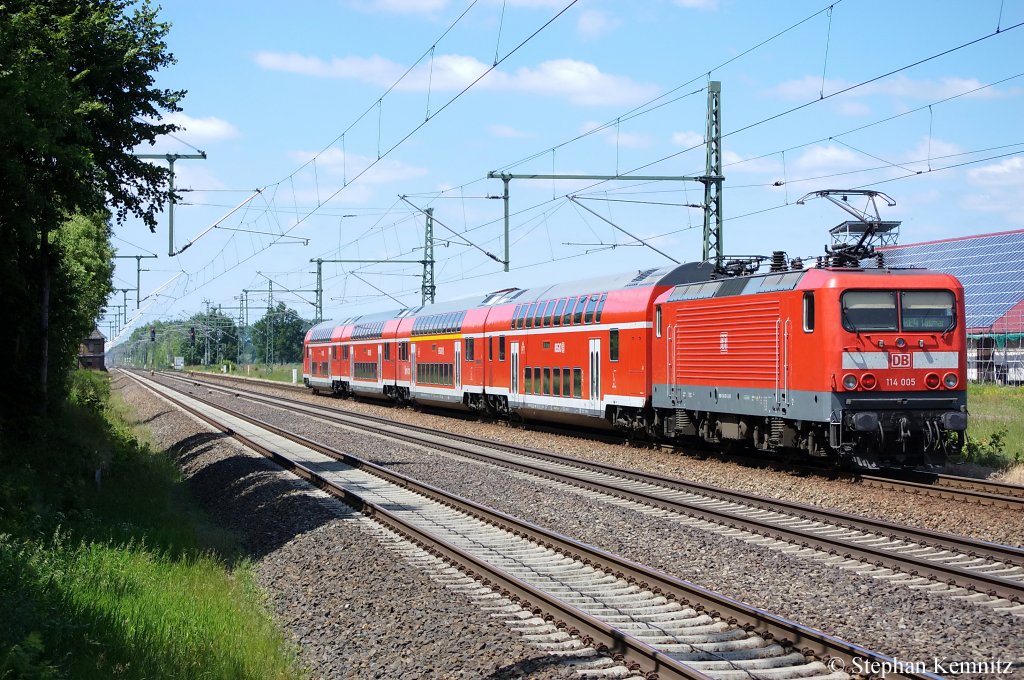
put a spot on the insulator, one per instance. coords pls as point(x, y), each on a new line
point(880, 259)
point(796, 263)
point(778, 261)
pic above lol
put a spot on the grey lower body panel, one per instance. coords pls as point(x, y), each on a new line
point(768, 403)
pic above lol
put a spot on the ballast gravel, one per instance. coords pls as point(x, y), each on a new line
point(352, 606)
point(887, 617)
point(999, 525)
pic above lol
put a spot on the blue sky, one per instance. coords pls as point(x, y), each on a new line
point(335, 109)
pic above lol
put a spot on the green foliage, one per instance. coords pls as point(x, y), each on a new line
point(90, 389)
point(285, 330)
point(215, 331)
point(122, 577)
point(989, 452)
point(77, 95)
point(996, 423)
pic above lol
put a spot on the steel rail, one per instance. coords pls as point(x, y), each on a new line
point(915, 566)
point(980, 491)
point(983, 492)
point(808, 641)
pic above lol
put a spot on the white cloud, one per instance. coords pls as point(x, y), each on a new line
point(580, 82)
point(853, 108)
point(199, 130)
point(733, 162)
point(509, 132)
point(399, 6)
point(375, 69)
point(830, 158)
point(698, 4)
point(934, 148)
point(997, 201)
point(810, 87)
point(687, 139)
point(613, 137)
point(593, 24)
point(1007, 173)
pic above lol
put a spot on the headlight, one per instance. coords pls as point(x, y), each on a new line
point(867, 381)
point(950, 380)
point(850, 381)
point(932, 381)
point(901, 343)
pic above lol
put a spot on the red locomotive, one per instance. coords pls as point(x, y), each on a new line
point(864, 365)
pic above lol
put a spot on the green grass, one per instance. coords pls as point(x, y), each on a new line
point(279, 372)
point(126, 579)
point(996, 423)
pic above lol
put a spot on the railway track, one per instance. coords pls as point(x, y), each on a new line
point(657, 624)
point(978, 491)
point(990, 573)
point(919, 482)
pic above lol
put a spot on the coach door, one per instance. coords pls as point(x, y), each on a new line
point(513, 383)
point(458, 364)
point(412, 365)
point(595, 374)
point(380, 364)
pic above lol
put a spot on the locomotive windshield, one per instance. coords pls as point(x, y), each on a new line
point(869, 310)
point(926, 310)
point(918, 310)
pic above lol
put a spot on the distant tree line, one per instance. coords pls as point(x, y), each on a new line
point(211, 338)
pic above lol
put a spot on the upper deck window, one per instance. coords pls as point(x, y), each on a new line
point(869, 310)
point(927, 310)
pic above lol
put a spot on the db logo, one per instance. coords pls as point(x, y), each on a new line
point(899, 360)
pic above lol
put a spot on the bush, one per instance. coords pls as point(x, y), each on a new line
point(989, 451)
point(90, 389)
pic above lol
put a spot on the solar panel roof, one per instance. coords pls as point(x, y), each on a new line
point(990, 267)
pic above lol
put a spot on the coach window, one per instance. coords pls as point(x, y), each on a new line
point(334, 353)
point(547, 313)
point(566, 382)
point(657, 321)
point(387, 351)
point(567, 317)
point(600, 307)
point(539, 315)
point(529, 314)
point(613, 344)
point(490, 348)
point(556, 381)
point(577, 317)
point(501, 348)
point(344, 352)
point(536, 380)
point(809, 312)
point(591, 306)
point(547, 381)
point(527, 380)
point(469, 348)
point(577, 383)
point(556, 320)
